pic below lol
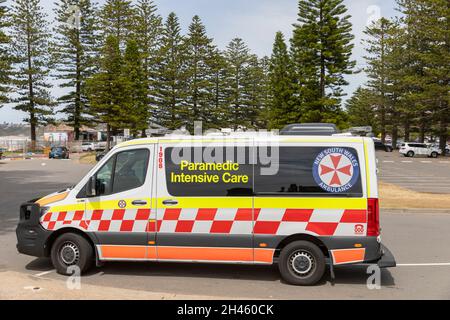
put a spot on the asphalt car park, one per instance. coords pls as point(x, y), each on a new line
point(420, 174)
point(414, 238)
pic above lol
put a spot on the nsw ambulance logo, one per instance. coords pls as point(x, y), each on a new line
point(336, 169)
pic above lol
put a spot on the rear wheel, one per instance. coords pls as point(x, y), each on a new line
point(301, 263)
point(434, 154)
point(410, 154)
point(71, 250)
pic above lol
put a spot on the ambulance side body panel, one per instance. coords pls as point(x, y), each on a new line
point(238, 226)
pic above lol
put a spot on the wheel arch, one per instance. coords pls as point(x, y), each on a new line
point(51, 239)
point(300, 237)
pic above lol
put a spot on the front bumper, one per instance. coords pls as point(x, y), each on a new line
point(31, 237)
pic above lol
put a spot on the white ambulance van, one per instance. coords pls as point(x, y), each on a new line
point(301, 202)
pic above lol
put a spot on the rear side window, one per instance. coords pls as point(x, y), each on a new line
point(312, 171)
point(209, 172)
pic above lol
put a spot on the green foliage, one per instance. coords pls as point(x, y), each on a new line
point(362, 109)
point(107, 89)
point(237, 56)
point(74, 53)
point(137, 91)
point(117, 18)
point(283, 110)
point(5, 59)
point(171, 75)
point(321, 50)
point(408, 67)
point(30, 50)
point(200, 54)
point(147, 31)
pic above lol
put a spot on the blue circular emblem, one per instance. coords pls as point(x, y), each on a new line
point(336, 169)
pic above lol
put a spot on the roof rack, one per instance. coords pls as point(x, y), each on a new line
point(309, 129)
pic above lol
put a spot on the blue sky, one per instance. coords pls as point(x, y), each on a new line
point(255, 21)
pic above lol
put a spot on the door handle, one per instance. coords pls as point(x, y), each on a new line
point(139, 203)
point(170, 202)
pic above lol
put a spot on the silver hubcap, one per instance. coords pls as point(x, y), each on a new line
point(69, 253)
point(302, 263)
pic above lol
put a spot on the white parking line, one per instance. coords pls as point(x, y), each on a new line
point(388, 161)
point(407, 161)
point(43, 273)
point(445, 264)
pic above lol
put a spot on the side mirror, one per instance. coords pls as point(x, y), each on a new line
point(91, 190)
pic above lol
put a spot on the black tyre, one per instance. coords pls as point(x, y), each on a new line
point(71, 249)
point(410, 154)
point(434, 154)
point(301, 263)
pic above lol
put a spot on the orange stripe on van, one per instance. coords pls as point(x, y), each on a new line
point(205, 254)
point(342, 256)
point(125, 252)
point(47, 200)
point(264, 255)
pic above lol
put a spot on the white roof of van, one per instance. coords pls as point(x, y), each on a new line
point(231, 138)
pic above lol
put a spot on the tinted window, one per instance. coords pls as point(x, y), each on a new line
point(312, 170)
point(124, 171)
point(130, 170)
point(215, 172)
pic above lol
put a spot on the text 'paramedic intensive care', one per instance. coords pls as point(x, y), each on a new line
point(197, 173)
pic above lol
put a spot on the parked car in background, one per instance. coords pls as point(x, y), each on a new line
point(411, 149)
point(100, 145)
point(59, 153)
point(379, 145)
point(88, 146)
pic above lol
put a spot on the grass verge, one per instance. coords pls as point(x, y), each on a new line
point(87, 158)
point(392, 196)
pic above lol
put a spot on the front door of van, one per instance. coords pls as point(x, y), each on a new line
point(121, 212)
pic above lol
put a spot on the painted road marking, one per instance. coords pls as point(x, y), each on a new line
point(407, 161)
point(43, 273)
point(444, 264)
point(388, 161)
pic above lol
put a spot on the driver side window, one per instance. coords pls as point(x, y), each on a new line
point(124, 171)
point(104, 177)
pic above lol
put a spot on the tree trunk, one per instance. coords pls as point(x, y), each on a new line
point(422, 131)
point(77, 111)
point(383, 123)
point(33, 120)
point(108, 137)
point(407, 129)
point(395, 129)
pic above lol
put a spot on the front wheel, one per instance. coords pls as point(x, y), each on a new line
point(301, 263)
point(71, 250)
point(434, 154)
